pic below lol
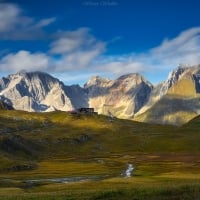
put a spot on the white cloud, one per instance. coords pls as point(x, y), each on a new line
point(76, 61)
point(71, 40)
point(77, 40)
point(45, 22)
point(120, 65)
point(24, 60)
point(14, 25)
point(64, 45)
point(8, 16)
point(78, 49)
point(82, 50)
point(183, 49)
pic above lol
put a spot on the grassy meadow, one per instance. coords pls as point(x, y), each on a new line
point(48, 146)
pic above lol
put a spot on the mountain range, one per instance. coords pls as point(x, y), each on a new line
point(131, 96)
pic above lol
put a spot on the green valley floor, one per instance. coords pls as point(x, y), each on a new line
point(58, 155)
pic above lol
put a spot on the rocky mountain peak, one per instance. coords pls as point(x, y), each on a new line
point(133, 79)
point(130, 92)
point(96, 81)
point(31, 76)
point(181, 72)
point(175, 75)
point(177, 100)
point(130, 76)
point(34, 91)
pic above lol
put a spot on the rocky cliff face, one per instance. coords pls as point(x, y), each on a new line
point(122, 97)
point(34, 91)
point(78, 96)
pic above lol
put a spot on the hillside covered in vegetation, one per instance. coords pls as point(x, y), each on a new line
point(40, 151)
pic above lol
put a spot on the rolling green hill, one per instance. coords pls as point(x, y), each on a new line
point(58, 144)
point(39, 134)
point(170, 109)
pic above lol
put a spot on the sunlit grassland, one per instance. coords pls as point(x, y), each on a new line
point(116, 188)
point(58, 144)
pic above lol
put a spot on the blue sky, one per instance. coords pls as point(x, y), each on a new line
point(76, 39)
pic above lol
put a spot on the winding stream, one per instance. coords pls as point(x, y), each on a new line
point(34, 182)
point(66, 179)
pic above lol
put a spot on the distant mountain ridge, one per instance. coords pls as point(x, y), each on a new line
point(123, 97)
point(131, 96)
point(40, 92)
point(175, 101)
point(34, 91)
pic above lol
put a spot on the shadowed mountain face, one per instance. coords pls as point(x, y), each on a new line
point(174, 101)
point(5, 106)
